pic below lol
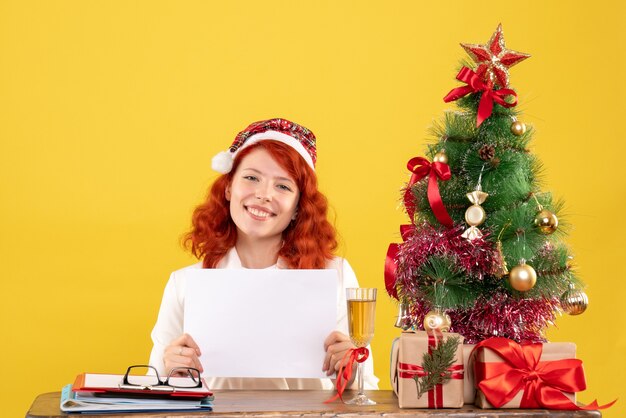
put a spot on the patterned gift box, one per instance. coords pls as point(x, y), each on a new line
point(407, 366)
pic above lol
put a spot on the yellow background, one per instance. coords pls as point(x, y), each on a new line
point(110, 113)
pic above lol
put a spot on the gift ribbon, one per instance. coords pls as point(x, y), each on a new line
point(543, 382)
point(421, 167)
point(358, 355)
point(410, 371)
point(476, 84)
point(391, 261)
point(435, 396)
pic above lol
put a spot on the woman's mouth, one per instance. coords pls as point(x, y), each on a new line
point(259, 213)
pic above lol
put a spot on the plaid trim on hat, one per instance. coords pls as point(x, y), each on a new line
point(298, 132)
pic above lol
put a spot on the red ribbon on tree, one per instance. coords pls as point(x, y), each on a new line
point(421, 167)
point(543, 382)
point(358, 355)
point(391, 260)
point(391, 267)
point(476, 84)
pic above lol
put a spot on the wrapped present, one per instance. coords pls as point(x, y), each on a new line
point(417, 374)
point(469, 391)
point(510, 375)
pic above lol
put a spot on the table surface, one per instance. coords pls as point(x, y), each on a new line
point(300, 403)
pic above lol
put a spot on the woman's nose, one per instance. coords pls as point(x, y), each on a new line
point(264, 193)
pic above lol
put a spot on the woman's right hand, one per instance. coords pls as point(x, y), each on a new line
point(182, 352)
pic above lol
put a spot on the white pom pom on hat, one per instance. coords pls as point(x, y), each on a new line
point(223, 162)
point(296, 136)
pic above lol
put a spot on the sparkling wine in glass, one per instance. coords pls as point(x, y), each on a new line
point(361, 312)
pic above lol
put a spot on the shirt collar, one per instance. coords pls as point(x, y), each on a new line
point(232, 261)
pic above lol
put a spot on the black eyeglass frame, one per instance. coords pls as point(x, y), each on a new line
point(164, 383)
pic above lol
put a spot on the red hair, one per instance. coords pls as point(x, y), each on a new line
point(309, 241)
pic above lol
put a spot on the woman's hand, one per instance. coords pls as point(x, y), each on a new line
point(182, 352)
point(336, 345)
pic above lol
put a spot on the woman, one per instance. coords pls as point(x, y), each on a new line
point(265, 211)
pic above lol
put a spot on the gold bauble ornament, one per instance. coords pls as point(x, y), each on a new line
point(574, 301)
point(437, 320)
point(518, 128)
point(522, 277)
point(441, 157)
point(546, 221)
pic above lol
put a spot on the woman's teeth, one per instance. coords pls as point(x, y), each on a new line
point(259, 213)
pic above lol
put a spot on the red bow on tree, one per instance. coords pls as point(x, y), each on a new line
point(476, 84)
point(421, 167)
point(543, 382)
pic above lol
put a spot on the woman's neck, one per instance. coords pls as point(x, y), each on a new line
point(258, 254)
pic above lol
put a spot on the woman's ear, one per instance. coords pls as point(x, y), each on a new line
point(227, 192)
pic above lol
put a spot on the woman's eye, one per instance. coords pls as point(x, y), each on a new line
point(251, 178)
point(284, 187)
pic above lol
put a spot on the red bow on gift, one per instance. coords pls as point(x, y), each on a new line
point(421, 167)
point(476, 84)
point(543, 383)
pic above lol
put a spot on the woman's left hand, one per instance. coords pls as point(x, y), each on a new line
point(336, 345)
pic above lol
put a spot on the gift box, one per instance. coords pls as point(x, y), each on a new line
point(509, 375)
point(469, 391)
point(411, 376)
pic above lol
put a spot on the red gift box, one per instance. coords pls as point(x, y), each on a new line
point(510, 375)
point(490, 369)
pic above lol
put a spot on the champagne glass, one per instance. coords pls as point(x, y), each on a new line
point(361, 310)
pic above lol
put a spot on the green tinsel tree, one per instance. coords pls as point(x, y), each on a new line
point(484, 254)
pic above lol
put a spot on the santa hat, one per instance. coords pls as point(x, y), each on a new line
point(296, 136)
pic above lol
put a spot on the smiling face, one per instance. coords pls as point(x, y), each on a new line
point(263, 197)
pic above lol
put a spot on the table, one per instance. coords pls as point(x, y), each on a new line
point(306, 404)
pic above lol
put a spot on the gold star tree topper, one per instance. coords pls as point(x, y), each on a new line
point(493, 59)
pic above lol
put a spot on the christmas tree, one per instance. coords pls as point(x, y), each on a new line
point(484, 254)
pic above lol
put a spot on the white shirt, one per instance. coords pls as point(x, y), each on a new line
point(169, 326)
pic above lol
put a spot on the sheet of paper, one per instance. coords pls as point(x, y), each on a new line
point(261, 323)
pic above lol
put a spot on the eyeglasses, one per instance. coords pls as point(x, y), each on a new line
point(145, 377)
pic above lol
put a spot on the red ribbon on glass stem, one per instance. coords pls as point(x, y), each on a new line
point(354, 355)
point(543, 382)
point(476, 84)
point(421, 167)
